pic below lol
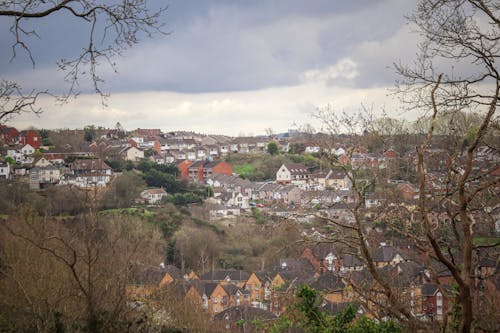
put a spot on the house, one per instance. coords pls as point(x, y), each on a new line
point(234, 198)
point(8, 135)
point(132, 154)
point(289, 194)
point(374, 199)
point(217, 167)
point(388, 255)
point(41, 177)
point(255, 286)
point(294, 173)
point(87, 173)
point(153, 196)
point(196, 170)
point(22, 154)
point(338, 180)
point(201, 153)
point(407, 190)
point(321, 256)
point(239, 319)
point(144, 282)
point(433, 302)
point(219, 211)
point(27, 149)
point(331, 286)
point(171, 274)
point(42, 162)
point(200, 170)
point(236, 277)
point(225, 296)
point(30, 137)
point(325, 258)
point(183, 166)
point(5, 171)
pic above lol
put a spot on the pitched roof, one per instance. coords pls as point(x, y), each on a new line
point(385, 253)
point(328, 282)
point(89, 164)
point(296, 168)
point(221, 275)
point(429, 289)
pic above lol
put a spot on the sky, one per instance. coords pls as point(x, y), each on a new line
point(229, 67)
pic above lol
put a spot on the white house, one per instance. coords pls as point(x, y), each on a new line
point(5, 170)
point(153, 195)
point(294, 173)
point(133, 154)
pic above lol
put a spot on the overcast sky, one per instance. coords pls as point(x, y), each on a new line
point(231, 67)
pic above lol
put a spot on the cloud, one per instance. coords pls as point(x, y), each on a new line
point(229, 113)
point(344, 69)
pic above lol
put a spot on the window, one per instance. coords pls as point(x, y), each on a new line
point(216, 299)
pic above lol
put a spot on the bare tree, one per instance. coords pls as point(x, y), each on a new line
point(112, 28)
point(71, 273)
point(457, 34)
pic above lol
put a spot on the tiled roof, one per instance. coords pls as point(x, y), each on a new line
point(221, 275)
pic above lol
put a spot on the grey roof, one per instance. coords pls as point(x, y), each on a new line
point(231, 289)
point(429, 289)
point(385, 253)
point(328, 282)
point(293, 264)
point(221, 275)
point(296, 168)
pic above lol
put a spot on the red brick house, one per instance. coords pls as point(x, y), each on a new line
point(408, 191)
point(433, 302)
point(132, 143)
point(200, 170)
point(391, 153)
point(183, 166)
point(157, 146)
point(217, 167)
point(30, 137)
point(8, 134)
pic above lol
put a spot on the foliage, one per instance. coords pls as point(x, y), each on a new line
point(155, 178)
point(259, 167)
point(244, 170)
point(181, 199)
point(72, 276)
point(10, 160)
point(306, 313)
point(258, 216)
point(272, 148)
point(124, 190)
point(90, 133)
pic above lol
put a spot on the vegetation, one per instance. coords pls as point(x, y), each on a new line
point(259, 167)
point(72, 275)
point(305, 313)
point(272, 148)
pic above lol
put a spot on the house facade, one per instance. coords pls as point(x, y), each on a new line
point(293, 173)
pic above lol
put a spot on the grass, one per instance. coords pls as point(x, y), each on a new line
point(205, 224)
point(244, 170)
point(486, 241)
point(129, 211)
